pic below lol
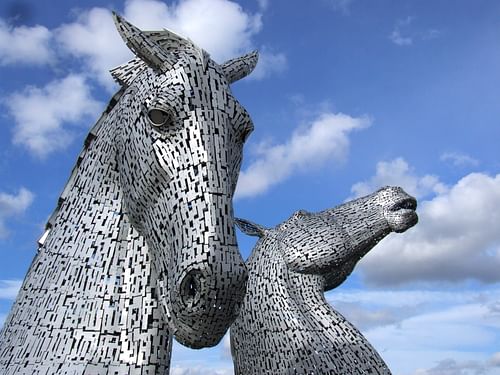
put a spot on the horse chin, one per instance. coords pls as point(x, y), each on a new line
point(197, 340)
point(401, 220)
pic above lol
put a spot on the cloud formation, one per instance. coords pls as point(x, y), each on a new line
point(221, 27)
point(403, 34)
point(459, 159)
point(25, 45)
point(456, 239)
point(9, 288)
point(450, 366)
point(44, 116)
point(323, 140)
point(12, 205)
point(424, 326)
point(397, 172)
point(397, 36)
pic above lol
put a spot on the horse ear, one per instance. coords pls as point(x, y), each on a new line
point(144, 47)
point(250, 228)
point(240, 67)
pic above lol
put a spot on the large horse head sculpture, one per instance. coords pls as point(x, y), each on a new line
point(179, 150)
point(141, 244)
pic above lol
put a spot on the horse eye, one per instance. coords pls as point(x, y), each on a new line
point(157, 117)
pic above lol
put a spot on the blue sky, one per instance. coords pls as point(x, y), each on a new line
point(349, 95)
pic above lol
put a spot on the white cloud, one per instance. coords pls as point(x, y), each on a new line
point(366, 318)
point(94, 38)
point(397, 172)
point(450, 366)
point(403, 34)
point(221, 27)
point(459, 159)
point(13, 205)
point(396, 35)
point(456, 239)
point(43, 115)
point(25, 45)
point(9, 288)
point(369, 309)
point(399, 39)
point(427, 325)
point(324, 139)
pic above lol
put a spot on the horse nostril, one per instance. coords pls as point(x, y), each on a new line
point(190, 288)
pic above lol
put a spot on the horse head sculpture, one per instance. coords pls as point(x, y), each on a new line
point(285, 325)
point(179, 154)
point(141, 245)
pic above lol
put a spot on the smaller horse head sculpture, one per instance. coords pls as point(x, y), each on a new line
point(285, 325)
point(179, 149)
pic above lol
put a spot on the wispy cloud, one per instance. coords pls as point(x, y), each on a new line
point(9, 288)
point(25, 45)
point(12, 205)
point(459, 159)
point(456, 238)
point(44, 116)
point(404, 34)
point(451, 366)
point(325, 139)
point(396, 35)
point(424, 326)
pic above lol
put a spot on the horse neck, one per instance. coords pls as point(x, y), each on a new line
point(92, 274)
point(267, 267)
point(269, 271)
point(92, 200)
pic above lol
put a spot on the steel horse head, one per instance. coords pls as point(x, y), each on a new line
point(141, 245)
point(179, 148)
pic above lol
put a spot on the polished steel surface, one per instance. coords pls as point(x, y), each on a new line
point(285, 325)
point(141, 246)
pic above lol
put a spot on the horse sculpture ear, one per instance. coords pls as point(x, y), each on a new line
point(144, 47)
point(250, 228)
point(240, 67)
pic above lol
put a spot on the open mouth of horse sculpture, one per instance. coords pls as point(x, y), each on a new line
point(285, 325)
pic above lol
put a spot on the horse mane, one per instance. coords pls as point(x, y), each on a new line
point(91, 136)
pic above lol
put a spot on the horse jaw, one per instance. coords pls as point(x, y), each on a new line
point(398, 208)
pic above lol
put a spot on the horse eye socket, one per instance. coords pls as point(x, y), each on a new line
point(157, 117)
